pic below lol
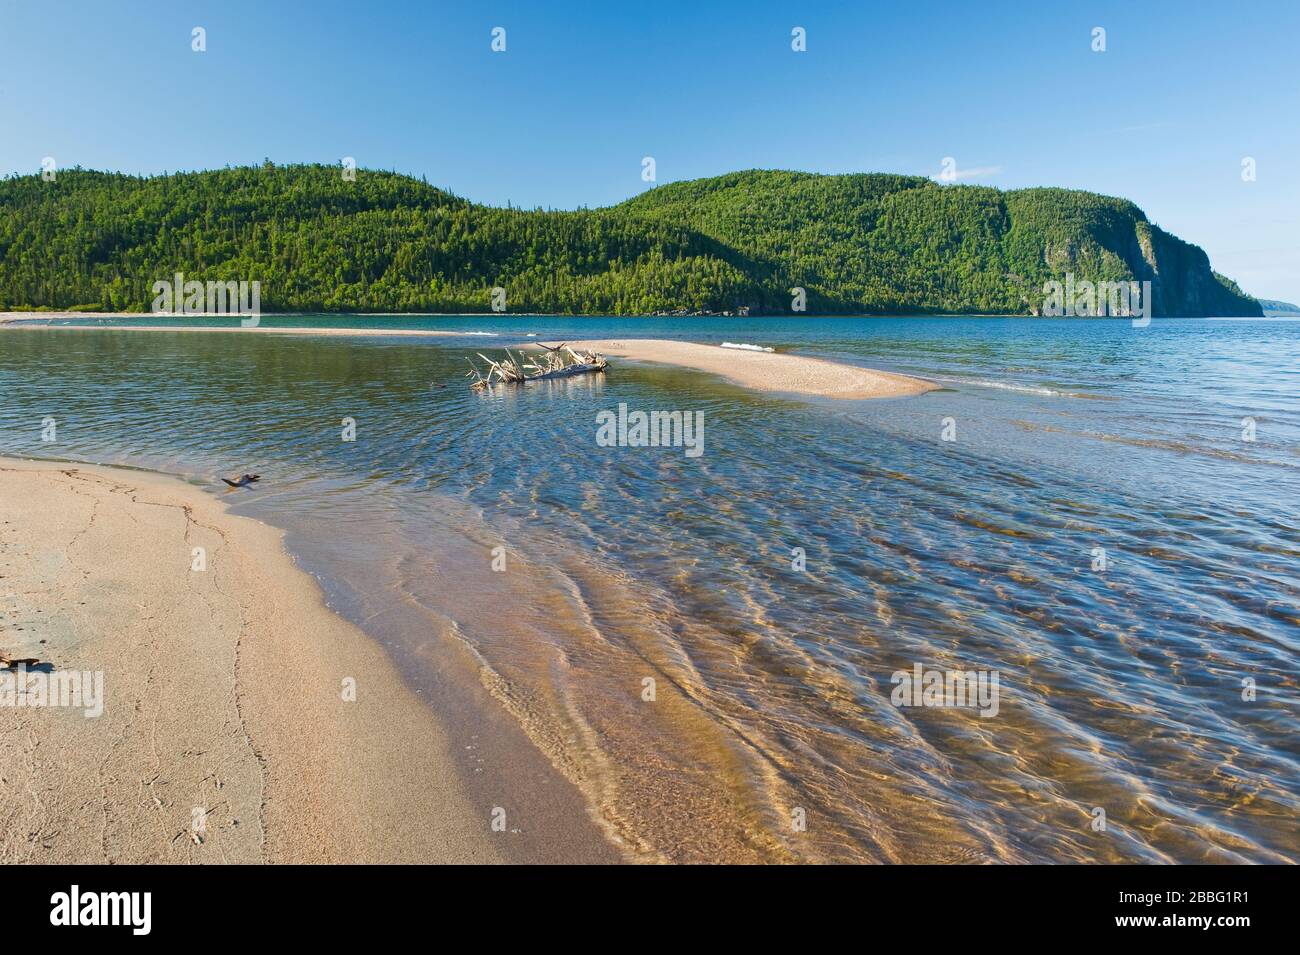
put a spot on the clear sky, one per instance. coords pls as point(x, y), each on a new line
point(1012, 91)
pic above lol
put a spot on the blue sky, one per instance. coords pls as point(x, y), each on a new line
point(1012, 91)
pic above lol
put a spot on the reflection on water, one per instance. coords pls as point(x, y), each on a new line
point(1121, 689)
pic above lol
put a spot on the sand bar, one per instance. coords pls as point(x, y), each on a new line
point(222, 695)
point(765, 371)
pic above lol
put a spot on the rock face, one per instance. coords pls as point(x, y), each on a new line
point(1183, 283)
point(768, 241)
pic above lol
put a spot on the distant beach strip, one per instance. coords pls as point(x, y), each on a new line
point(40, 321)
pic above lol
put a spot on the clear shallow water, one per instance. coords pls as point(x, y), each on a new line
point(1119, 689)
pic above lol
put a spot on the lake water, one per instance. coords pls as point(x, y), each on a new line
point(772, 734)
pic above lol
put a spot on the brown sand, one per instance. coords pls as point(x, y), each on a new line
point(766, 371)
point(222, 690)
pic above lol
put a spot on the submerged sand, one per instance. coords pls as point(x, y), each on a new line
point(765, 371)
point(225, 734)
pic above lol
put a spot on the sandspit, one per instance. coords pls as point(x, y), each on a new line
point(765, 371)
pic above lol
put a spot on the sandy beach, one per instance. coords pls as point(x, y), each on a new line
point(227, 731)
point(764, 371)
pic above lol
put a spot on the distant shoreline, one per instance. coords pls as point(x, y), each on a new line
point(28, 317)
point(15, 324)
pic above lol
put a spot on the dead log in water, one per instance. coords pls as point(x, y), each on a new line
point(560, 361)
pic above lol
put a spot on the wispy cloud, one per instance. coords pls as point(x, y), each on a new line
point(1143, 127)
point(957, 175)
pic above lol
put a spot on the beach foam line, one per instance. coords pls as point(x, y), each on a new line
point(764, 371)
point(1021, 388)
point(747, 347)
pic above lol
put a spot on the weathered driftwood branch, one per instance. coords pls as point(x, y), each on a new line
point(558, 362)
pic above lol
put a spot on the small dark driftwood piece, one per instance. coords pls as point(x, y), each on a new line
point(10, 663)
point(558, 362)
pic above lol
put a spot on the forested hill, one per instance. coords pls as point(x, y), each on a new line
point(389, 243)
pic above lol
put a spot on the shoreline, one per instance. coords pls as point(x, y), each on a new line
point(223, 698)
point(21, 316)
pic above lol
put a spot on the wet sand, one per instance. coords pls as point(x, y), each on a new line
point(225, 735)
point(765, 371)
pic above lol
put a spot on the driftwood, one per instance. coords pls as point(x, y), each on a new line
point(10, 663)
point(558, 362)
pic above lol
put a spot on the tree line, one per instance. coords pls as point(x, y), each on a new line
point(320, 241)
